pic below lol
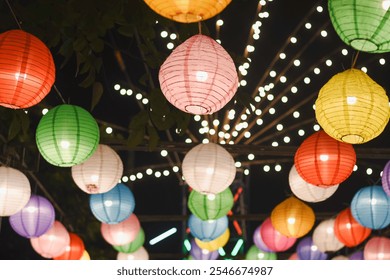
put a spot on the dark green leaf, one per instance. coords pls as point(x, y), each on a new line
point(14, 129)
point(136, 137)
point(153, 137)
point(97, 93)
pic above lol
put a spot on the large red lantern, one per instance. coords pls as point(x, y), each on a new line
point(75, 249)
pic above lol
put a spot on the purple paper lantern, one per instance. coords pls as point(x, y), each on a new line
point(358, 255)
point(258, 240)
point(34, 219)
point(306, 250)
point(201, 254)
point(386, 178)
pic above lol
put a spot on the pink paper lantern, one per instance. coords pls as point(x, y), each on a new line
point(199, 76)
point(377, 248)
point(121, 233)
point(273, 239)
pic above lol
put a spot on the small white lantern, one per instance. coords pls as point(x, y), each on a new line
point(324, 237)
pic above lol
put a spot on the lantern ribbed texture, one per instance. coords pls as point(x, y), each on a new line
point(273, 239)
point(199, 76)
point(352, 108)
point(255, 253)
point(386, 178)
point(187, 11)
point(210, 207)
point(121, 233)
point(306, 250)
point(15, 191)
point(201, 254)
point(99, 173)
point(27, 70)
point(215, 244)
point(370, 206)
point(358, 255)
point(377, 248)
point(75, 249)
point(208, 168)
point(293, 218)
point(324, 237)
point(348, 230)
point(363, 25)
point(259, 242)
point(140, 254)
point(323, 161)
point(207, 230)
point(67, 135)
point(133, 245)
point(114, 206)
point(308, 192)
point(34, 219)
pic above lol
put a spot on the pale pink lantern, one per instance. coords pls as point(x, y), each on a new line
point(121, 233)
point(199, 76)
point(324, 237)
point(377, 248)
point(273, 239)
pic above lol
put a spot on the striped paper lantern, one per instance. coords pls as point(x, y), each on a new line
point(134, 245)
point(75, 249)
point(377, 248)
point(324, 236)
point(307, 250)
point(121, 233)
point(207, 230)
point(273, 239)
point(215, 244)
point(386, 178)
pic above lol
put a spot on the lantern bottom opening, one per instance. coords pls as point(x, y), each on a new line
point(352, 139)
point(197, 109)
point(186, 17)
point(364, 45)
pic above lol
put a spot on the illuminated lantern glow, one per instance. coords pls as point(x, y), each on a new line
point(27, 70)
point(202, 254)
point(199, 76)
point(324, 237)
point(134, 245)
point(292, 218)
point(215, 244)
point(99, 173)
point(386, 178)
point(273, 239)
point(15, 191)
point(377, 248)
point(67, 135)
point(361, 24)
point(140, 254)
point(208, 168)
point(34, 219)
point(258, 241)
point(255, 253)
point(323, 161)
point(352, 108)
point(349, 231)
point(307, 250)
point(121, 233)
point(75, 249)
point(207, 230)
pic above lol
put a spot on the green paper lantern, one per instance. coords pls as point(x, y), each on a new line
point(211, 206)
point(362, 24)
point(67, 135)
point(255, 253)
point(134, 245)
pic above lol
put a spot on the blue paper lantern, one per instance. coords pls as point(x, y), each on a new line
point(114, 206)
point(307, 250)
point(198, 253)
point(207, 230)
point(370, 207)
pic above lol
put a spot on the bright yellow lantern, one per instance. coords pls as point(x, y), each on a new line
point(352, 108)
point(215, 244)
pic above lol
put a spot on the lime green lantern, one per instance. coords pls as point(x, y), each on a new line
point(67, 135)
point(134, 245)
point(255, 253)
point(361, 24)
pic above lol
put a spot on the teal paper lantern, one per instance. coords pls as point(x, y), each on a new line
point(67, 135)
point(134, 245)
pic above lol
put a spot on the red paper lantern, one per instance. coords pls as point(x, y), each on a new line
point(377, 248)
point(75, 249)
point(323, 161)
point(27, 70)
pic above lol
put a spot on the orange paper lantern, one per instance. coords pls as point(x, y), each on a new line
point(75, 249)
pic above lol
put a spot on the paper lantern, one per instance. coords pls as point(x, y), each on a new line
point(85, 256)
point(27, 70)
point(255, 253)
point(370, 206)
point(358, 255)
point(208, 168)
point(258, 240)
point(75, 249)
point(34, 219)
point(361, 24)
point(293, 218)
point(308, 192)
point(386, 178)
point(121, 233)
point(323, 161)
point(215, 244)
point(185, 11)
point(207, 230)
point(349, 231)
point(134, 245)
point(273, 239)
point(199, 76)
point(67, 135)
point(377, 248)
point(99, 173)
point(352, 108)
point(140, 255)
point(324, 237)
point(212, 206)
point(202, 254)
point(294, 256)
point(114, 206)
point(53, 242)
point(15, 191)
point(306, 250)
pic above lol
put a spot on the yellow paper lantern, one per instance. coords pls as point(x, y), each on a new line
point(215, 244)
point(352, 108)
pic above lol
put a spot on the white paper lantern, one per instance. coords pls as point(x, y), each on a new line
point(140, 254)
point(306, 191)
point(208, 168)
point(100, 173)
point(324, 237)
point(15, 191)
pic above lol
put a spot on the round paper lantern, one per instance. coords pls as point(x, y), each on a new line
point(293, 218)
point(207, 230)
point(215, 244)
point(27, 69)
point(377, 248)
point(359, 255)
point(370, 206)
point(323, 161)
point(255, 253)
point(273, 239)
point(53, 242)
point(199, 76)
point(306, 250)
point(352, 108)
point(15, 191)
point(75, 249)
point(208, 168)
point(386, 178)
point(202, 254)
point(363, 25)
point(34, 219)
point(324, 237)
point(258, 240)
point(85, 256)
point(211, 206)
point(99, 173)
point(187, 11)
point(67, 135)
point(114, 206)
point(140, 255)
point(121, 233)
point(349, 231)
point(308, 192)
point(134, 245)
